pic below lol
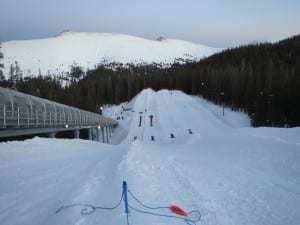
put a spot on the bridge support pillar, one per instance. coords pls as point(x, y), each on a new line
point(94, 135)
point(98, 134)
point(102, 135)
point(90, 134)
point(107, 134)
point(110, 131)
point(76, 133)
point(51, 135)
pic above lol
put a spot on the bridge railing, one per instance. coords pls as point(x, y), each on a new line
point(22, 117)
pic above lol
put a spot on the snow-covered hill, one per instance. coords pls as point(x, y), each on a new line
point(232, 173)
point(57, 54)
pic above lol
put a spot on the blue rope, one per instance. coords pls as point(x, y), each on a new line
point(188, 220)
point(192, 217)
point(89, 209)
point(142, 204)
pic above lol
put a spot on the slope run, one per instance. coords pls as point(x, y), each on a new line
point(56, 55)
point(173, 113)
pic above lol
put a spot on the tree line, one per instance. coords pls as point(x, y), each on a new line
point(262, 80)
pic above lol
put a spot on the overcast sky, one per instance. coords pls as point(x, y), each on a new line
point(219, 23)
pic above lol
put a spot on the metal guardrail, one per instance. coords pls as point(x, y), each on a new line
point(21, 117)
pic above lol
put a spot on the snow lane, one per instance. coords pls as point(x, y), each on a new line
point(147, 180)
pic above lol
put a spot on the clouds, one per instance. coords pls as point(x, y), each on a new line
point(216, 22)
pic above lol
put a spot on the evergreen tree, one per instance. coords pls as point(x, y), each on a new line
point(12, 76)
point(76, 73)
point(18, 73)
point(1, 64)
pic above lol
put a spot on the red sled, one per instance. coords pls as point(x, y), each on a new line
point(177, 210)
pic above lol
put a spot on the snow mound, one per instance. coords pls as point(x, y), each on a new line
point(174, 114)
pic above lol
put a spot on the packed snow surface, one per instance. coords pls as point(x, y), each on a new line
point(232, 173)
point(57, 54)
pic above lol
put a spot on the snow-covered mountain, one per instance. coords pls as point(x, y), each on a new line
point(231, 173)
point(56, 54)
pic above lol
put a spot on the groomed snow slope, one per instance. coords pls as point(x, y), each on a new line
point(232, 173)
point(57, 54)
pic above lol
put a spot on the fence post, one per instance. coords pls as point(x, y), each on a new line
point(27, 117)
point(80, 119)
point(18, 116)
point(36, 118)
point(54, 122)
point(102, 131)
point(107, 134)
point(44, 117)
point(4, 116)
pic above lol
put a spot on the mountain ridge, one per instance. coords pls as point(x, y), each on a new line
point(56, 55)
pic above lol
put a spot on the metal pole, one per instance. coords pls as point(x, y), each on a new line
point(223, 108)
point(44, 117)
point(27, 117)
point(4, 116)
point(36, 118)
point(106, 134)
point(18, 116)
point(109, 127)
point(102, 129)
point(80, 119)
point(71, 118)
point(98, 134)
point(222, 98)
point(125, 197)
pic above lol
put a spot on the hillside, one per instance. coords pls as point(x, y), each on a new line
point(230, 173)
point(57, 54)
point(260, 79)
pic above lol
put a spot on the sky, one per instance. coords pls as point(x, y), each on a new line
point(217, 23)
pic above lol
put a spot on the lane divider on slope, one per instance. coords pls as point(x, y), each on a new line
point(190, 218)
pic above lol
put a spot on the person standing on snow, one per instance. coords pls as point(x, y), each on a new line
point(151, 120)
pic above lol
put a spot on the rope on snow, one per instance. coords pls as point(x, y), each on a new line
point(190, 218)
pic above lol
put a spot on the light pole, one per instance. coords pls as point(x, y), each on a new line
point(202, 89)
point(222, 97)
point(101, 108)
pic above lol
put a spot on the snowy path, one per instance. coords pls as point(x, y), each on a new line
point(232, 173)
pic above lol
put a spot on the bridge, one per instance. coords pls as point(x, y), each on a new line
point(23, 114)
